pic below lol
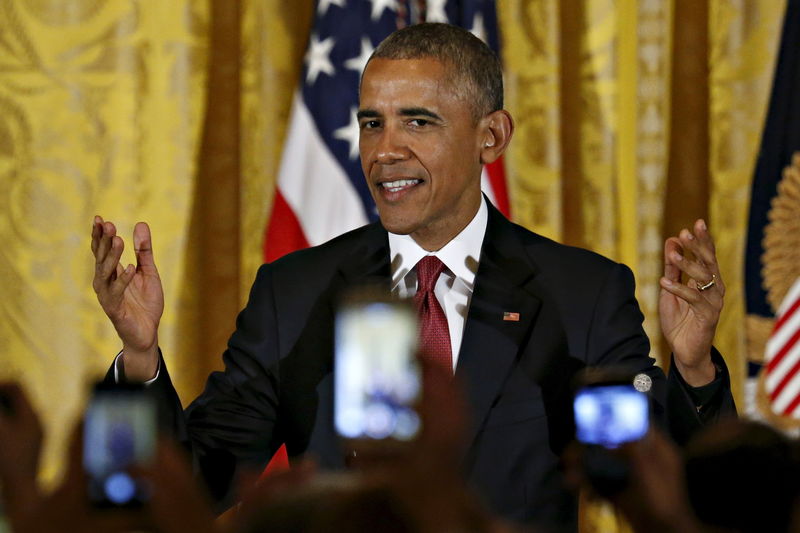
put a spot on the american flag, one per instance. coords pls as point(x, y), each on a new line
point(783, 356)
point(321, 190)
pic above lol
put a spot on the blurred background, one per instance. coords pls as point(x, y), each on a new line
point(633, 118)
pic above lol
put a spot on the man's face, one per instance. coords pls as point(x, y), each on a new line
point(420, 149)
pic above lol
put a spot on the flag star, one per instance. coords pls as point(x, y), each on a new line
point(318, 58)
point(323, 6)
point(359, 62)
point(350, 133)
point(435, 11)
point(479, 28)
point(378, 7)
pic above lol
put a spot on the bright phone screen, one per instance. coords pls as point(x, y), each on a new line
point(377, 379)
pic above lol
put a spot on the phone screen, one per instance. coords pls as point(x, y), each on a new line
point(610, 415)
point(377, 378)
point(119, 432)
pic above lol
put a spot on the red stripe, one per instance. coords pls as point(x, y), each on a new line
point(786, 379)
point(787, 315)
point(792, 405)
point(773, 362)
point(497, 178)
point(284, 233)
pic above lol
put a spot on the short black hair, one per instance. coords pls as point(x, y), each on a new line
point(475, 68)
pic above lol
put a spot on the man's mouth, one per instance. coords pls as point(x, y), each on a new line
point(399, 185)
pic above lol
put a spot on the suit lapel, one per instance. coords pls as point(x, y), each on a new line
point(368, 263)
point(492, 340)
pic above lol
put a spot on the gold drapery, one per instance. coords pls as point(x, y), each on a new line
point(169, 112)
point(634, 117)
point(140, 111)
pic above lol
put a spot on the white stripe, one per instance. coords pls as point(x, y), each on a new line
point(789, 360)
point(786, 396)
point(313, 184)
point(779, 338)
point(791, 296)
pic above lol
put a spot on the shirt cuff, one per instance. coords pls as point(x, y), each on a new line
point(120, 375)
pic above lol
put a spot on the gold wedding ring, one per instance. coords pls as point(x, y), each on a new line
point(708, 285)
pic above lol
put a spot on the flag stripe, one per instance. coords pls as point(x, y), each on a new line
point(779, 355)
point(497, 182)
point(319, 193)
point(776, 358)
point(782, 356)
point(787, 376)
point(793, 406)
point(784, 317)
point(284, 233)
point(781, 403)
point(780, 336)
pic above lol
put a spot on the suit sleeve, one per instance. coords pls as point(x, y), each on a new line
point(617, 339)
point(692, 408)
point(233, 424)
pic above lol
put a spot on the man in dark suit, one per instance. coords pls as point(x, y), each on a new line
point(523, 313)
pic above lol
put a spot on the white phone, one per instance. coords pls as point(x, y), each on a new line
point(377, 377)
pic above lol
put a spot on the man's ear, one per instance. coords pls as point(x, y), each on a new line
point(497, 128)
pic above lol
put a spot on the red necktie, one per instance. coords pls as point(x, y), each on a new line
point(434, 335)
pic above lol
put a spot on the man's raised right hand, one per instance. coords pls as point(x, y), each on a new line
point(132, 297)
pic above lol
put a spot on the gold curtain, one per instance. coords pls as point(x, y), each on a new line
point(633, 117)
point(139, 110)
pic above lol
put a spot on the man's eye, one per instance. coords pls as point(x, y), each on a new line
point(370, 124)
point(419, 122)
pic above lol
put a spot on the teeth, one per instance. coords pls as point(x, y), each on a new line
point(397, 185)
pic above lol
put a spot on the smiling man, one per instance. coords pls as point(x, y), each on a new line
point(518, 314)
point(422, 145)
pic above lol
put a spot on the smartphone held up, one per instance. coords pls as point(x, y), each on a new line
point(377, 378)
point(609, 412)
point(119, 433)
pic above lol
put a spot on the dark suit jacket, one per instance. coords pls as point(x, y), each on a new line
point(576, 309)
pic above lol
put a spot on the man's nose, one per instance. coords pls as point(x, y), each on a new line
point(391, 147)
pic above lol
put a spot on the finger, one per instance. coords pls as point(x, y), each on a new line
point(706, 250)
point(97, 232)
point(108, 268)
point(699, 272)
point(124, 277)
point(143, 246)
point(672, 246)
point(702, 254)
point(692, 296)
point(108, 231)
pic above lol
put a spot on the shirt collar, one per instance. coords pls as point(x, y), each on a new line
point(460, 255)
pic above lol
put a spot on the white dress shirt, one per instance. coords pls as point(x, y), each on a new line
point(454, 286)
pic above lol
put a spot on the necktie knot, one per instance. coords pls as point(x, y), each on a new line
point(428, 270)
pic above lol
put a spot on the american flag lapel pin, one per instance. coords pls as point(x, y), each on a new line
point(510, 317)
